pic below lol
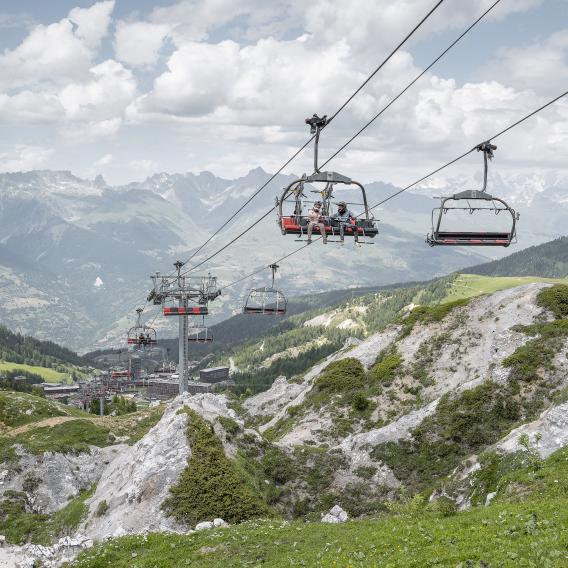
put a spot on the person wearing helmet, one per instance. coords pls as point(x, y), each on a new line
point(315, 219)
point(344, 217)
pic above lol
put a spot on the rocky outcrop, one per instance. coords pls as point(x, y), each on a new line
point(134, 485)
point(269, 402)
point(61, 476)
point(335, 516)
point(547, 434)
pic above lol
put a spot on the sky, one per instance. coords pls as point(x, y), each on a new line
point(129, 88)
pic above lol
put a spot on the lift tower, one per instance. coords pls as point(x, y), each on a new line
point(183, 296)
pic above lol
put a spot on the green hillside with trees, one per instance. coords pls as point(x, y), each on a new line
point(547, 260)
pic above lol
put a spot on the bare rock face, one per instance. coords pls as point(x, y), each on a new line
point(547, 434)
point(61, 476)
point(133, 486)
point(269, 402)
point(65, 550)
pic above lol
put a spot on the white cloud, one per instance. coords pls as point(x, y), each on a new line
point(23, 158)
point(541, 66)
point(30, 107)
point(144, 165)
point(91, 130)
point(108, 93)
point(92, 23)
point(105, 160)
point(139, 43)
point(56, 52)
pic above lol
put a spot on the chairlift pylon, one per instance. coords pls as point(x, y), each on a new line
point(267, 300)
point(141, 335)
point(473, 201)
point(296, 222)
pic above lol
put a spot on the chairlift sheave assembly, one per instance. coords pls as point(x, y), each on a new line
point(267, 300)
point(296, 221)
point(141, 335)
point(473, 201)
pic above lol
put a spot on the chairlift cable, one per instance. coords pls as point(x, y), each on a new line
point(385, 61)
point(334, 115)
point(392, 196)
point(348, 142)
point(419, 76)
point(511, 126)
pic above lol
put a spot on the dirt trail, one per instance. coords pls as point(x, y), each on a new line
point(54, 421)
point(109, 422)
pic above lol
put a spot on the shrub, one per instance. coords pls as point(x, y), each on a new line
point(102, 508)
point(342, 376)
point(384, 370)
point(210, 486)
point(427, 314)
point(555, 299)
point(360, 402)
point(445, 507)
point(366, 471)
point(462, 425)
point(277, 465)
point(231, 427)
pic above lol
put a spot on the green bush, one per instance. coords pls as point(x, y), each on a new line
point(360, 402)
point(210, 486)
point(277, 465)
point(555, 299)
point(231, 427)
point(445, 507)
point(366, 471)
point(427, 314)
point(462, 425)
point(101, 509)
point(342, 376)
point(385, 368)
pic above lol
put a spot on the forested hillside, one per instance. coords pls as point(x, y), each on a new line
point(25, 349)
point(547, 260)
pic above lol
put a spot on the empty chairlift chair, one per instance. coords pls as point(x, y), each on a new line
point(141, 335)
point(293, 205)
point(496, 228)
point(200, 334)
point(267, 300)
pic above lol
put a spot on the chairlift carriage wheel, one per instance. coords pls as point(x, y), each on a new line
point(296, 222)
point(267, 300)
point(473, 201)
point(141, 335)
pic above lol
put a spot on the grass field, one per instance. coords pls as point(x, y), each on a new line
point(469, 285)
point(525, 526)
point(48, 375)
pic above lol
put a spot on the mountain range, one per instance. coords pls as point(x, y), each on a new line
point(76, 254)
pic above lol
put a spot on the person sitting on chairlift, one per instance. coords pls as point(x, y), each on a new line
point(147, 339)
point(344, 217)
point(316, 220)
point(141, 339)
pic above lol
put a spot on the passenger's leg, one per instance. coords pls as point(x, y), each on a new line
point(310, 228)
point(322, 231)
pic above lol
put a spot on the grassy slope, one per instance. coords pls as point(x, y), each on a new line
point(18, 408)
point(48, 375)
point(526, 525)
point(74, 435)
point(469, 285)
